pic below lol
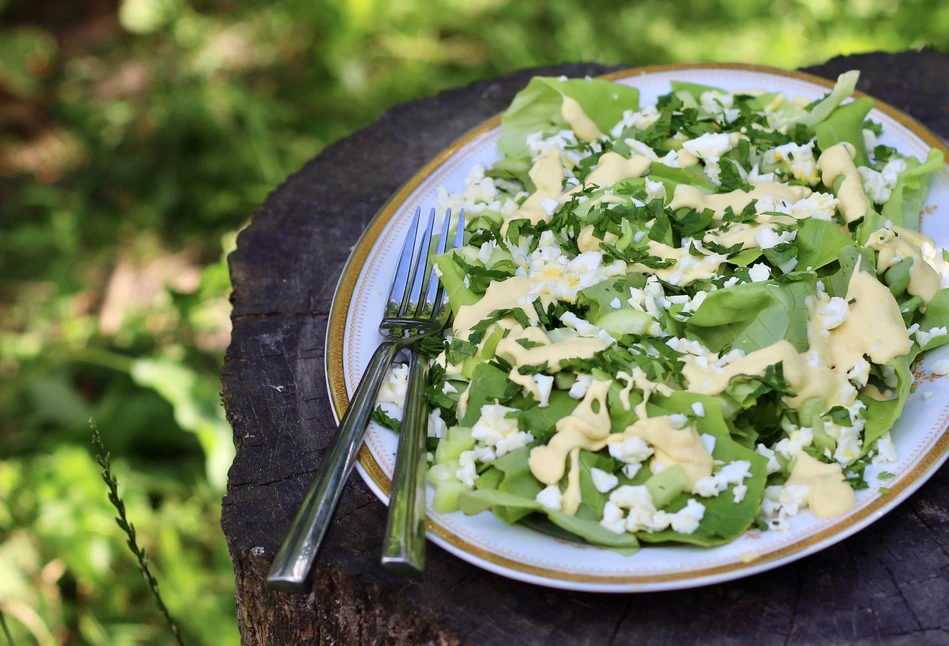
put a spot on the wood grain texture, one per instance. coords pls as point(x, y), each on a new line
point(888, 584)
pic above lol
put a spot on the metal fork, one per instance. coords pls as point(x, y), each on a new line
point(403, 548)
point(408, 318)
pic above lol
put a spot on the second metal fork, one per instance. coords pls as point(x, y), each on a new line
point(412, 312)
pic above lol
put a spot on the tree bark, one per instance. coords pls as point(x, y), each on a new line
point(888, 584)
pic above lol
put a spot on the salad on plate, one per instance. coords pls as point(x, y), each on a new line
point(675, 322)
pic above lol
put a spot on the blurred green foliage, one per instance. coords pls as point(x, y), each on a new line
point(136, 138)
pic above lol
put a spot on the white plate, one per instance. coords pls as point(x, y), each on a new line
point(524, 554)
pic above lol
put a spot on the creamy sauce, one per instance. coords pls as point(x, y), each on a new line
point(582, 429)
point(547, 175)
point(685, 159)
point(499, 296)
point(672, 446)
point(613, 167)
point(875, 326)
point(550, 353)
point(686, 196)
point(570, 501)
point(923, 279)
point(871, 391)
point(688, 268)
point(572, 112)
point(744, 233)
point(586, 241)
point(805, 380)
point(627, 389)
point(526, 382)
point(828, 494)
point(837, 161)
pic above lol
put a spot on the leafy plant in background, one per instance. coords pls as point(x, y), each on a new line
point(137, 137)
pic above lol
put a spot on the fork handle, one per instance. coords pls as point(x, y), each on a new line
point(403, 549)
point(290, 567)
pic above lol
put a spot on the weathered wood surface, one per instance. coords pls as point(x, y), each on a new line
point(888, 584)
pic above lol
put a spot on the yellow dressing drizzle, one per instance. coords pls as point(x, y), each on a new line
point(582, 429)
point(572, 112)
point(686, 196)
point(895, 243)
point(805, 380)
point(687, 267)
point(547, 175)
point(570, 501)
point(550, 353)
point(837, 161)
point(613, 167)
point(828, 493)
point(586, 241)
point(875, 326)
point(498, 296)
point(672, 446)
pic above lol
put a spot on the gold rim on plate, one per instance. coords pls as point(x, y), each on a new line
point(336, 381)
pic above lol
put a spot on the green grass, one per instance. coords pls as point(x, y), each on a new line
point(136, 142)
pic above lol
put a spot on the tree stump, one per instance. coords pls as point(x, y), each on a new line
point(887, 584)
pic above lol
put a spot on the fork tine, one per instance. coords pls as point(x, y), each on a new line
point(459, 241)
point(432, 295)
point(417, 273)
point(400, 280)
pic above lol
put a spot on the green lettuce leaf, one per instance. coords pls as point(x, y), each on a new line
point(536, 108)
point(881, 415)
point(846, 83)
point(488, 385)
point(819, 241)
point(589, 530)
point(753, 316)
point(937, 315)
point(724, 519)
point(846, 124)
point(906, 199)
point(672, 177)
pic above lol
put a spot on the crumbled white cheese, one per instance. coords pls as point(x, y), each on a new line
point(739, 492)
point(698, 409)
point(759, 272)
point(616, 304)
point(832, 312)
point(436, 425)
point(550, 497)
point(733, 473)
point(639, 120)
point(580, 386)
point(655, 190)
point(860, 373)
point(468, 471)
point(795, 442)
point(639, 148)
point(583, 328)
point(602, 481)
point(878, 185)
point(614, 519)
point(632, 450)
point(886, 450)
point(773, 465)
point(643, 515)
point(496, 430)
point(393, 388)
point(798, 161)
point(545, 384)
point(924, 337)
point(781, 502)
